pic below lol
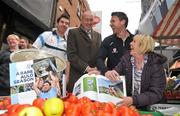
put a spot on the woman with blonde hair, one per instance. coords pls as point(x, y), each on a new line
point(144, 73)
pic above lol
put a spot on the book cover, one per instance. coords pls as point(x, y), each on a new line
point(28, 80)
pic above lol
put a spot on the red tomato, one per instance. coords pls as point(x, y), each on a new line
point(88, 109)
point(66, 105)
point(1, 105)
point(126, 111)
point(73, 110)
point(99, 112)
point(84, 100)
point(108, 107)
point(6, 102)
point(39, 102)
point(97, 104)
point(13, 114)
point(115, 112)
point(12, 108)
point(72, 99)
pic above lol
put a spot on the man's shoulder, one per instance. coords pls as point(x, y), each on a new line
point(45, 33)
point(109, 38)
point(74, 29)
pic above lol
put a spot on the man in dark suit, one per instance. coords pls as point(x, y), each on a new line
point(82, 48)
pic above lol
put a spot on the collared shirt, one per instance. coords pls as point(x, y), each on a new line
point(89, 33)
point(52, 43)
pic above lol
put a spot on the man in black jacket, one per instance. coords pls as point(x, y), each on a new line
point(114, 46)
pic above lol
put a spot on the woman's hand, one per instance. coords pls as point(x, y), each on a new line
point(127, 101)
point(112, 75)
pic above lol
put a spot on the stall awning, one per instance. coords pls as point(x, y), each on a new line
point(40, 12)
point(163, 22)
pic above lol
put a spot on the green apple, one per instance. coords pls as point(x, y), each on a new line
point(30, 111)
point(53, 107)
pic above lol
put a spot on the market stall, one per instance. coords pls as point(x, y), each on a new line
point(162, 22)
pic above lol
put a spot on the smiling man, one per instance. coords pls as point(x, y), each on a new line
point(54, 42)
point(82, 47)
point(114, 46)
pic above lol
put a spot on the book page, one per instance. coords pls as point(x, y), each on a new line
point(86, 86)
point(111, 91)
point(28, 78)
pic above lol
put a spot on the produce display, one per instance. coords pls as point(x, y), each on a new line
point(70, 106)
point(172, 91)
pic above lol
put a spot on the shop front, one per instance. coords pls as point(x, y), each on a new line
point(27, 18)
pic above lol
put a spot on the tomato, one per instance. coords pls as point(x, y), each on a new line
point(109, 107)
point(135, 111)
point(73, 110)
point(88, 109)
point(99, 112)
point(13, 114)
point(39, 102)
point(12, 108)
point(6, 101)
point(84, 100)
point(72, 99)
point(115, 112)
point(128, 111)
point(125, 111)
point(1, 105)
point(66, 105)
point(97, 104)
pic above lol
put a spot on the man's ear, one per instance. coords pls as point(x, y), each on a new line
point(123, 22)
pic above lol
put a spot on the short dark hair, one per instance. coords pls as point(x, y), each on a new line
point(47, 82)
point(121, 16)
point(64, 15)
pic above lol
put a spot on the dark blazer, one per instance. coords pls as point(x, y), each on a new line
point(81, 52)
point(153, 80)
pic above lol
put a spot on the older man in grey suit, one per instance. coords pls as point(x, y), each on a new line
point(82, 48)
